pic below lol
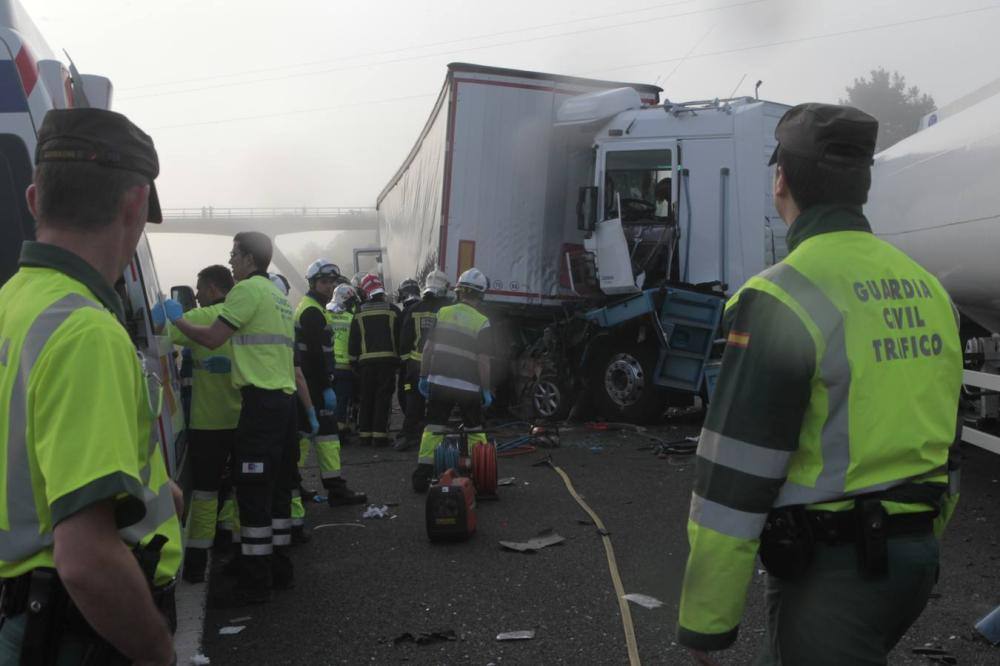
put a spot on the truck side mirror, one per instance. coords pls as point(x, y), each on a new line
point(586, 209)
point(185, 296)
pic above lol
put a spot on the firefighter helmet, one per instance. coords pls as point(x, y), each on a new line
point(322, 268)
point(343, 297)
point(436, 283)
point(371, 285)
point(473, 280)
point(280, 281)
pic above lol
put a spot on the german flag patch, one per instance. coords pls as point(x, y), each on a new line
point(738, 339)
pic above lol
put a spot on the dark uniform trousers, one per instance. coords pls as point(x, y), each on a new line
point(413, 415)
point(443, 400)
point(378, 380)
point(264, 473)
point(210, 451)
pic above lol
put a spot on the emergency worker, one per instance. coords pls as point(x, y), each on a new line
point(314, 342)
point(407, 295)
point(373, 344)
point(455, 371)
point(257, 317)
point(417, 321)
point(827, 439)
point(356, 283)
point(84, 472)
point(341, 309)
point(215, 411)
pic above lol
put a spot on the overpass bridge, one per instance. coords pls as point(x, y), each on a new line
point(272, 221)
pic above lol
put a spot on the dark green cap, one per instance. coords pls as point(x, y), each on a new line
point(837, 135)
point(103, 137)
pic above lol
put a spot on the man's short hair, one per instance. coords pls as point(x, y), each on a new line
point(813, 183)
point(81, 196)
point(218, 276)
point(257, 245)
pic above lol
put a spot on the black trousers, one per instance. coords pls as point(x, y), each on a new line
point(413, 415)
point(443, 400)
point(210, 451)
point(378, 380)
point(401, 387)
point(264, 472)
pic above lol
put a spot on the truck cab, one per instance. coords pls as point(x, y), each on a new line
point(32, 81)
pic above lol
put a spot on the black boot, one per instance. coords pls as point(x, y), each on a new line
point(195, 562)
point(282, 573)
point(422, 476)
point(223, 541)
point(300, 534)
point(338, 494)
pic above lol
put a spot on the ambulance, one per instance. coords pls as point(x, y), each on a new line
point(32, 81)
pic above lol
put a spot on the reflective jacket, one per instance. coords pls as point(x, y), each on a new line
point(373, 334)
point(417, 322)
point(460, 336)
point(840, 377)
point(314, 342)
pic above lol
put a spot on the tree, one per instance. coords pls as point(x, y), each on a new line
point(897, 108)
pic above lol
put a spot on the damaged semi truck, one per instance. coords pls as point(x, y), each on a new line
point(611, 225)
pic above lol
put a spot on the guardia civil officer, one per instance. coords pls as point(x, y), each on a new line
point(455, 371)
point(257, 318)
point(215, 411)
point(417, 320)
point(314, 342)
point(341, 313)
point(372, 346)
point(87, 491)
point(828, 434)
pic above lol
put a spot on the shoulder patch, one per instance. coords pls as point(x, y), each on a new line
point(738, 339)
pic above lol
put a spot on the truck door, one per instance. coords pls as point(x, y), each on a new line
point(710, 235)
point(640, 177)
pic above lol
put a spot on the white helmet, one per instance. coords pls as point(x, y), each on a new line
point(343, 296)
point(280, 281)
point(322, 268)
point(473, 280)
point(436, 283)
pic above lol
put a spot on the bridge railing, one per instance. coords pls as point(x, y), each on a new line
point(209, 212)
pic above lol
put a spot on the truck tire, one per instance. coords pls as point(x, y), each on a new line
point(550, 400)
point(622, 384)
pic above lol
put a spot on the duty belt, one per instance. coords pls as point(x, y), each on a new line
point(15, 592)
point(835, 527)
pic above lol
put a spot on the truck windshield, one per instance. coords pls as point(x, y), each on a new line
point(16, 224)
point(642, 179)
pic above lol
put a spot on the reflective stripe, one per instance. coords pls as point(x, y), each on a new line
point(330, 475)
point(451, 382)
point(157, 513)
point(256, 548)
point(204, 495)
point(722, 519)
point(425, 460)
point(263, 339)
point(430, 427)
point(255, 532)
point(794, 493)
point(282, 539)
point(834, 371)
point(954, 481)
point(743, 456)
point(23, 539)
point(448, 349)
point(281, 523)
point(201, 544)
point(448, 325)
point(367, 356)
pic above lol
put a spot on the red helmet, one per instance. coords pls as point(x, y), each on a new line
point(372, 285)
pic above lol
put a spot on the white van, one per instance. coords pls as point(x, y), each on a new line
point(32, 81)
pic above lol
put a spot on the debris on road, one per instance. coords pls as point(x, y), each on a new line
point(319, 499)
point(319, 527)
point(644, 600)
point(516, 635)
point(936, 655)
point(543, 539)
point(426, 637)
point(231, 631)
point(376, 511)
point(200, 660)
point(989, 626)
point(506, 481)
point(596, 449)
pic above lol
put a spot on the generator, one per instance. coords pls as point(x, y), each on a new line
point(451, 508)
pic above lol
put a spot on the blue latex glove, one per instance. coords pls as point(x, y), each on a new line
point(330, 399)
point(217, 365)
point(313, 421)
point(424, 387)
point(487, 398)
point(168, 310)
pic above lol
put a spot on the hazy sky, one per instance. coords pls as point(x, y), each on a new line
point(317, 102)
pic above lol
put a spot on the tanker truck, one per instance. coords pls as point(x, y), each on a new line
point(935, 195)
point(611, 225)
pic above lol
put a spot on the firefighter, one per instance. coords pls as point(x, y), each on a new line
point(455, 371)
point(341, 308)
point(257, 317)
point(215, 411)
point(416, 322)
point(827, 440)
point(373, 344)
point(314, 342)
point(407, 295)
point(85, 479)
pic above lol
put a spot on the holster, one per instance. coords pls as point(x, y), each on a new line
point(872, 538)
point(787, 545)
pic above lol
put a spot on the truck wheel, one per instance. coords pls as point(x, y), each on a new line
point(622, 382)
point(549, 400)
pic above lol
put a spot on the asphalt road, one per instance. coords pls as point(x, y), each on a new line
point(363, 583)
